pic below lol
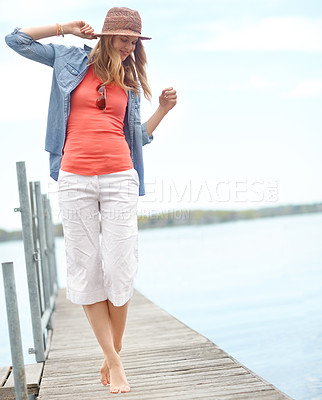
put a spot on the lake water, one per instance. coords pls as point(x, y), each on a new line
point(252, 287)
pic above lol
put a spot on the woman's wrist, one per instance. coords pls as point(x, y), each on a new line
point(63, 29)
point(41, 32)
point(162, 111)
point(66, 28)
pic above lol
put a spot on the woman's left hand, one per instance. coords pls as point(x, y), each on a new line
point(168, 99)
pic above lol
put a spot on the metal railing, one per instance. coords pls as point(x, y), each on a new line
point(39, 249)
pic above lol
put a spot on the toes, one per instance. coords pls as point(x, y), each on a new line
point(115, 390)
point(105, 376)
point(105, 380)
point(120, 389)
point(125, 389)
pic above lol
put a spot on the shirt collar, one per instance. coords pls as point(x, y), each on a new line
point(87, 49)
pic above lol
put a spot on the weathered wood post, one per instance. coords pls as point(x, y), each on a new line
point(46, 278)
point(31, 257)
point(14, 331)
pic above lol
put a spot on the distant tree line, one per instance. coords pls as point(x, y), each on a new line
point(196, 217)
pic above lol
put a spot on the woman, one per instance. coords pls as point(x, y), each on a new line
point(95, 138)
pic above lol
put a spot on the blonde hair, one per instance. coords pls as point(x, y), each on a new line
point(129, 74)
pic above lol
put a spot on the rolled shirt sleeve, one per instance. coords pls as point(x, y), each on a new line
point(27, 47)
point(145, 137)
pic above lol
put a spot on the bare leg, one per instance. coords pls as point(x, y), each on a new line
point(118, 320)
point(99, 319)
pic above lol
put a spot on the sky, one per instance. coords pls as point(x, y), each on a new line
point(246, 131)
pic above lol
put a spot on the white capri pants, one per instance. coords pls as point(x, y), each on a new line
point(100, 266)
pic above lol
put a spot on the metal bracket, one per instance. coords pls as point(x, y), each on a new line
point(17, 209)
point(34, 216)
point(36, 256)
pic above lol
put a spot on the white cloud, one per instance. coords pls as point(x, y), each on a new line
point(27, 95)
point(34, 9)
point(309, 88)
point(256, 82)
point(270, 34)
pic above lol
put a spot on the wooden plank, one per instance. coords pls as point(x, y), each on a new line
point(162, 357)
point(4, 373)
point(33, 377)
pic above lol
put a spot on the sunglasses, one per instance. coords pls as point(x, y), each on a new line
point(101, 101)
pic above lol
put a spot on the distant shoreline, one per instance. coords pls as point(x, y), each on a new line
point(197, 217)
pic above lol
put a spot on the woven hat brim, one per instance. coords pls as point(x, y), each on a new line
point(125, 33)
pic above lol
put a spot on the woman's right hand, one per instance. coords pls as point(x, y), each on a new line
point(80, 28)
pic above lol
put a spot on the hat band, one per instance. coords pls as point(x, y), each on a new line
point(121, 31)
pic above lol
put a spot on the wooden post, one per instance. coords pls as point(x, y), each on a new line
point(30, 257)
point(14, 332)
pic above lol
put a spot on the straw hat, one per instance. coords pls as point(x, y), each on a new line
point(122, 21)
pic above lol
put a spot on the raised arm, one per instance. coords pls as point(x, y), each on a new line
point(167, 100)
point(77, 28)
point(24, 41)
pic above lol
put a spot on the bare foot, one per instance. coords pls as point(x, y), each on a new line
point(119, 383)
point(105, 372)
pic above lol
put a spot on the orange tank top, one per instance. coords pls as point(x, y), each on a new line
point(95, 143)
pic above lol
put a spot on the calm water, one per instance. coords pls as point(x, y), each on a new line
point(252, 287)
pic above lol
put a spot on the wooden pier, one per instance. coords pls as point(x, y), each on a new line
point(162, 357)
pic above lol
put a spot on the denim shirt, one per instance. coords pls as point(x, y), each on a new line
point(69, 68)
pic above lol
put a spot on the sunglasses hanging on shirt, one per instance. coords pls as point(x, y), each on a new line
point(101, 101)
